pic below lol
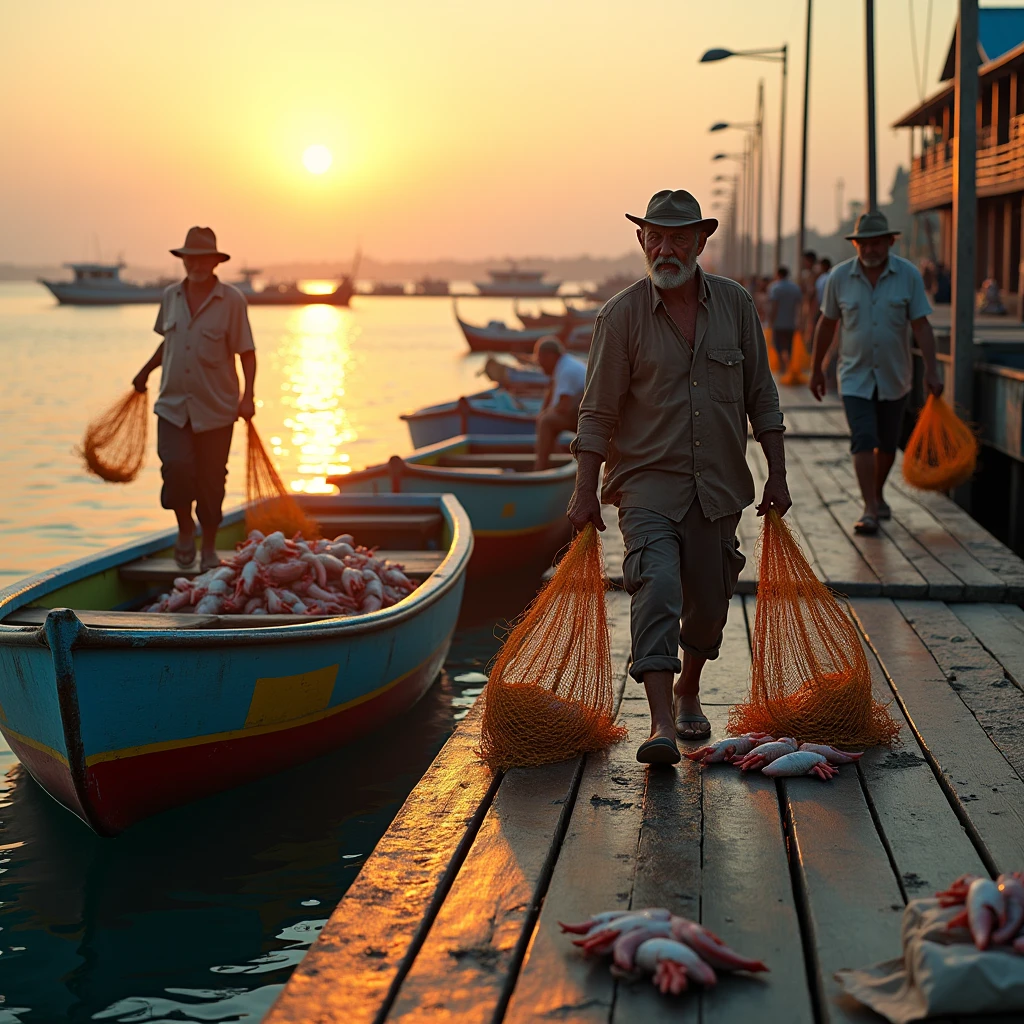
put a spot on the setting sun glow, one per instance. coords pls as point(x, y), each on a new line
point(317, 159)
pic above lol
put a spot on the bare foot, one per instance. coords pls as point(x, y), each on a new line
point(687, 707)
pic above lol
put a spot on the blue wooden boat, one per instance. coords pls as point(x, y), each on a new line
point(487, 412)
point(119, 714)
point(518, 515)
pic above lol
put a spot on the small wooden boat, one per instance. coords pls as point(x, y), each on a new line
point(518, 515)
point(119, 714)
point(524, 379)
point(573, 316)
point(497, 337)
point(487, 412)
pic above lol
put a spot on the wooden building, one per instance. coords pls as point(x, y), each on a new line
point(1000, 167)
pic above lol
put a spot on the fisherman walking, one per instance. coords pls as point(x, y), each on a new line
point(784, 309)
point(677, 366)
point(204, 324)
point(561, 407)
point(876, 294)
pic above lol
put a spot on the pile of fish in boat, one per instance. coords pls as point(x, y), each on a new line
point(673, 950)
point(993, 911)
point(781, 758)
point(278, 575)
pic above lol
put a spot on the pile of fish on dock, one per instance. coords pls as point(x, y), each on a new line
point(784, 757)
point(993, 911)
point(278, 575)
point(674, 950)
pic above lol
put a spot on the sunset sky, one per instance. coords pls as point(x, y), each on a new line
point(457, 128)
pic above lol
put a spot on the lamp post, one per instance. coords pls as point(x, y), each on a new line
point(775, 55)
point(744, 237)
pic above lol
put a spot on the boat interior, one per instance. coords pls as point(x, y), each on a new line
point(417, 538)
point(492, 456)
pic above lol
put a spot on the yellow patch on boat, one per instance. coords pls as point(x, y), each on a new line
point(509, 510)
point(283, 698)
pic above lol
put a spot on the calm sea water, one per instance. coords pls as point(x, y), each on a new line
point(201, 913)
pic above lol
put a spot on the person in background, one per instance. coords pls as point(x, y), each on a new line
point(876, 294)
point(807, 280)
point(784, 301)
point(824, 266)
point(561, 407)
point(205, 325)
point(943, 294)
point(831, 357)
point(678, 368)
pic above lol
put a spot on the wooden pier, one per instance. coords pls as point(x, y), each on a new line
point(454, 916)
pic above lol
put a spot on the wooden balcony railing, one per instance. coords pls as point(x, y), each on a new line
point(1000, 171)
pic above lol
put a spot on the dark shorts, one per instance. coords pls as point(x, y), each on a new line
point(874, 423)
point(782, 340)
point(194, 467)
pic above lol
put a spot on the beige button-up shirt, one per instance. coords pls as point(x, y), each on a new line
point(672, 423)
point(199, 382)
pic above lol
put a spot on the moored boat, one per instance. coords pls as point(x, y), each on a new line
point(498, 337)
point(100, 284)
point(517, 281)
point(487, 412)
point(574, 316)
point(518, 514)
point(119, 714)
point(290, 294)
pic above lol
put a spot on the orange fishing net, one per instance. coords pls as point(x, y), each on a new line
point(550, 691)
point(798, 362)
point(810, 675)
point(114, 446)
point(942, 450)
point(270, 506)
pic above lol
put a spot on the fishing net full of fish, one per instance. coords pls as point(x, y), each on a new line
point(269, 506)
point(810, 676)
point(114, 446)
point(549, 696)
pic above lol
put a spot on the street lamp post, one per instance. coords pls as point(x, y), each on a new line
point(743, 160)
point(775, 55)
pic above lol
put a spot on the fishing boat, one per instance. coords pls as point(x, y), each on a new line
point(432, 286)
point(518, 515)
point(521, 380)
point(516, 281)
point(611, 286)
point(100, 284)
point(573, 316)
point(119, 714)
point(387, 288)
point(290, 294)
point(498, 337)
point(488, 412)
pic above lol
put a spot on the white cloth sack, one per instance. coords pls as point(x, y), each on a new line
point(942, 972)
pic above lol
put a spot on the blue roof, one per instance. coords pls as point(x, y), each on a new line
point(1000, 29)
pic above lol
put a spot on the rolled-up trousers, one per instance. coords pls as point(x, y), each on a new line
point(680, 577)
point(194, 467)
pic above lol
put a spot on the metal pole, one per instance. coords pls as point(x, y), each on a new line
point(760, 178)
point(782, 155)
point(748, 206)
point(803, 145)
point(869, 16)
point(965, 147)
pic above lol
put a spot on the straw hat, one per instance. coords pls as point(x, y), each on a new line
point(668, 209)
point(200, 242)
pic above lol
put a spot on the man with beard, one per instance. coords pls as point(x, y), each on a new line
point(876, 294)
point(677, 366)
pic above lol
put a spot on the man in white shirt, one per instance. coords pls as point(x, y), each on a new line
point(561, 408)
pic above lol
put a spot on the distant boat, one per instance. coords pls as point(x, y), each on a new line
point(289, 293)
point(572, 317)
point(432, 286)
point(611, 286)
point(498, 337)
point(516, 282)
point(100, 284)
point(387, 288)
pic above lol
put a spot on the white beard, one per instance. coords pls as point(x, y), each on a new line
point(671, 272)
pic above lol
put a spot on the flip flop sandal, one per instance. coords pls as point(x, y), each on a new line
point(700, 734)
point(884, 512)
point(185, 558)
point(867, 526)
point(660, 750)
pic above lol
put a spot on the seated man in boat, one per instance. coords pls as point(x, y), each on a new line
point(205, 324)
point(561, 407)
point(677, 367)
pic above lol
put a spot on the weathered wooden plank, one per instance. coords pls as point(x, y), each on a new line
point(978, 679)
point(998, 635)
point(375, 930)
point(461, 971)
point(726, 680)
point(986, 793)
point(897, 576)
point(33, 616)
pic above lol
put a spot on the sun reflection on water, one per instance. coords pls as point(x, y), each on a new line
point(315, 359)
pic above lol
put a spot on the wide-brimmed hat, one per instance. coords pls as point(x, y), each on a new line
point(871, 225)
point(668, 209)
point(200, 242)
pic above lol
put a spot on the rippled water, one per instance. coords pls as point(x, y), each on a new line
point(200, 913)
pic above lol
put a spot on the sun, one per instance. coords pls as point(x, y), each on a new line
point(317, 159)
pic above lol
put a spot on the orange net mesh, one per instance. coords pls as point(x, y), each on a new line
point(549, 696)
point(942, 451)
point(114, 446)
point(810, 675)
point(270, 506)
point(798, 362)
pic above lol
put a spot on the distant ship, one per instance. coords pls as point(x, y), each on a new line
point(289, 293)
point(431, 286)
point(387, 288)
point(100, 284)
point(516, 283)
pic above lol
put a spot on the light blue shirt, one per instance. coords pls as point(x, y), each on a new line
point(874, 346)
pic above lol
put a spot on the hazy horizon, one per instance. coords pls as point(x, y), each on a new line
point(457, 131)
